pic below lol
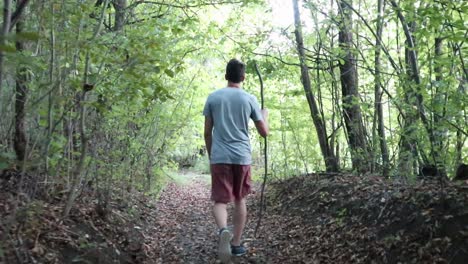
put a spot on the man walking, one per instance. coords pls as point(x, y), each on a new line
point(227, 113)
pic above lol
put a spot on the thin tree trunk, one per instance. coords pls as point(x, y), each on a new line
point(50, 118)
point(19, 141)
point(440, 98)
point(284, 144)
point(336, 117)
point(349, 86)
point(5, 30)
point(78, 172)
point(408, 144)
point(412, 62)
point(378, 94)
point(330, 160)
point(461, 119)
point(120, 7)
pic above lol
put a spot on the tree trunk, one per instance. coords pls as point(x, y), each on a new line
point(5, 30)
point(119, 6)
point(413, 73)
point(50, 110)
point(16, 16)
point(408, 144)
point(349, 87)
point(461, 119)
point(81, 105)
point(330, 159)
point(9, 21)
point(20, 141)
point(440, 99)
point(78, 171)
point(378, 95)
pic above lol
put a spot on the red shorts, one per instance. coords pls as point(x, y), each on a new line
point(230, 182)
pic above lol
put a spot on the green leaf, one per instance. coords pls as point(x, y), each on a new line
point(177, 30)
point(169, 73)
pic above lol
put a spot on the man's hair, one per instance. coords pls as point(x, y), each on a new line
point(235, 69)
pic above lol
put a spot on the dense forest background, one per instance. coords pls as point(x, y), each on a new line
point(111, 91)
point(102, 99)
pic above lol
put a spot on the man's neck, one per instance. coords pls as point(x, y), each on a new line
point(234, 85)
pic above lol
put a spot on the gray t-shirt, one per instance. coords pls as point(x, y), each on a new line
point(230, 110)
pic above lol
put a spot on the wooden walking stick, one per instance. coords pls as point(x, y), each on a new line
point(262, 202)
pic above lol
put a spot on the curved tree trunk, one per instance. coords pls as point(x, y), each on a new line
point(331, 163)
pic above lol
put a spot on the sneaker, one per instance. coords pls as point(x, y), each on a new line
point(238, 250)
point(224, 246)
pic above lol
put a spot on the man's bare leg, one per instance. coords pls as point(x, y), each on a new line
point(224, 246)
point(220, 214)
point(240, 218)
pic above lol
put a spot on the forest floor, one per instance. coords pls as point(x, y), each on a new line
point(309, 219)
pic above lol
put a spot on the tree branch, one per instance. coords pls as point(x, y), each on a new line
point(17, 14)
point(210, 3)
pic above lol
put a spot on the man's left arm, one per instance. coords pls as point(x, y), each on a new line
point(208, 134)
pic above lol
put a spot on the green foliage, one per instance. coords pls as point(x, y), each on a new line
point(202, 165)
point(151, 78)
point(7, 158)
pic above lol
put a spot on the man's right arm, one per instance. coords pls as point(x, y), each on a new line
point(262, 125)
point(208, 134)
